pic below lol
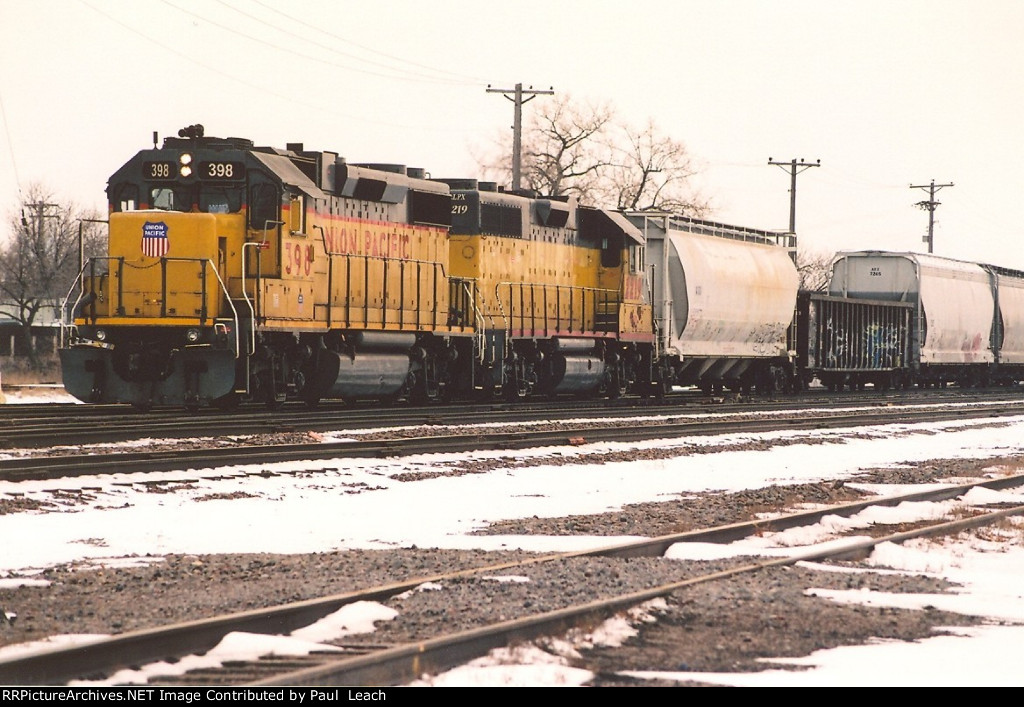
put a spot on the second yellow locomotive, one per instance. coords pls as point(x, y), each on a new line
point(240, 272)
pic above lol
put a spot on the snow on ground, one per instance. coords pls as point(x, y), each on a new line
point(359, 503)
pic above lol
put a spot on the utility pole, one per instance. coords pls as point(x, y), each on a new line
point(30, 296)
point(40, 209)
point(930, 207)
point(517, 124)
point(794, 167)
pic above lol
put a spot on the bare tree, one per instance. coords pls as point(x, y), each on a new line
point(39, 260)
point(563, 149)
point(581, 150)
point(814, 268)
point(651, 172)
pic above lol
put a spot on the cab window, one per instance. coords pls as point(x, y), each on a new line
point(264, 200)
point(297, 214)
point(611, 251)
point(636, 259)
point(220, 200)
point(162, 198)
point(125, 198)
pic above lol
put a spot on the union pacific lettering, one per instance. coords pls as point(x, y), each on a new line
point(362, 238)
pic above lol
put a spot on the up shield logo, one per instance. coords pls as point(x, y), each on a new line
point(154, 239)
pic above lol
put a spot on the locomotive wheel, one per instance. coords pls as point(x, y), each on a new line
point(617, 386)
point(269, 391)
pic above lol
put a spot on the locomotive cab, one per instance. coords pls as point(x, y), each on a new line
point(155, 319)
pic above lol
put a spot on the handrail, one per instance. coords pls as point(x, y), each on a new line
point(478, 316)
point(67, 314)
point(599, 295)
point(259, 275)
point(347, 260)
point(227, 297)
point(66, 325)
point(245, 292)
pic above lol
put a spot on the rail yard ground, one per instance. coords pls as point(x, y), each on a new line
point(728, 629)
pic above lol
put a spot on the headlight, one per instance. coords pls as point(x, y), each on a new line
point(185, 158)
point(192, 336)
point(101, 335)
point(185, 170)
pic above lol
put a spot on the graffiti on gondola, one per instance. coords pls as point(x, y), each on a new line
point(874, 346)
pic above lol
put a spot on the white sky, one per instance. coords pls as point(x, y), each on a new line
point(887, 95)
point(359, 504)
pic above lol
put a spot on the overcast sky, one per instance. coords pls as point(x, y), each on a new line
point(886, 94)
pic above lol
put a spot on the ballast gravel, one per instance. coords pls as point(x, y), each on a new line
point(727, 625)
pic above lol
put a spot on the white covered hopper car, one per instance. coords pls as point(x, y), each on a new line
point(723, 298)
point(967, 319)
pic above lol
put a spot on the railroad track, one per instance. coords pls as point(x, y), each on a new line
point(441, 439)
point(361, 663)
point(32, 426)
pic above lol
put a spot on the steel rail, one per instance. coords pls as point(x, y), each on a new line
point(33, 426)
point(40, 468)
point(57, 666)
point(403, 664)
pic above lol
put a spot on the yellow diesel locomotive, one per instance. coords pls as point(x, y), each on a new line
point(237, 272)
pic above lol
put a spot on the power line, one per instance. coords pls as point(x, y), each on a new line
point(517, 124)
point(396, 73)
point(456, 78)
point(10, 143)
point(930, 207)
point(263, 91)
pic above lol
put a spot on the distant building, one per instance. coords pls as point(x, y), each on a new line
point(45, 332)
